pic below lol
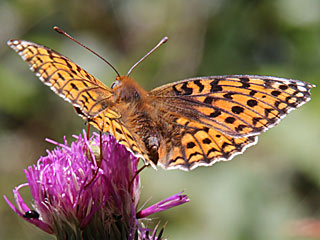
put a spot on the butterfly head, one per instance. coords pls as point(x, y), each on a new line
point(126, 89)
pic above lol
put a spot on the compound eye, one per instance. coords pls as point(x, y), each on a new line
point(114, 84)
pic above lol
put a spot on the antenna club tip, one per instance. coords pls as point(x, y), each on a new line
point(165, 39)
point(56, 28)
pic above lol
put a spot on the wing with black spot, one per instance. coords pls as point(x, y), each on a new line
point(193, 144)
point(212, 119)
point(236, 105)
point(65, 78)
point(110, 121)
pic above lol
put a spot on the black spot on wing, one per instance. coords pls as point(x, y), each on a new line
point(215, 87)
point(74, 86)
point(252, 103)
point(215, 114)
point(275, 93)
point(60, 76)
point(208, 100)
point(237, 109)
point(206, 141)
point(283, 87)
point(228, 96)
point(186, 89)
point(176, 90)
point(191, 145)
point(245, 82)
point(199, 84)
point(230, 120)
point(240, 127)
point(256, 120)
point(252, 92)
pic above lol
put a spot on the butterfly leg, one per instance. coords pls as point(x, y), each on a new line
point(87, 150)
point(98, 163)
point(135, 175)
point(80, 113)
point(88, 131)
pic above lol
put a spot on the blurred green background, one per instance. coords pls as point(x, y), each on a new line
point(255, 196)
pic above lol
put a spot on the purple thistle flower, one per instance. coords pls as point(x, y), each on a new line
point(70, 202)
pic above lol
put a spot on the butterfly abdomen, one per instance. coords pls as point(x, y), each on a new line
point(149, 132)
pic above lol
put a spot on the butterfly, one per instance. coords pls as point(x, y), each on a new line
point(185, 124)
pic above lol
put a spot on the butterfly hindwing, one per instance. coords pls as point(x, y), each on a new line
point(194, 144)
point(109, 121)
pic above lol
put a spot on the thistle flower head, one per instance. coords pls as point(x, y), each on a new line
point(73, 198)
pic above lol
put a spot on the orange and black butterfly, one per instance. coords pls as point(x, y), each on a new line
point(185, 124)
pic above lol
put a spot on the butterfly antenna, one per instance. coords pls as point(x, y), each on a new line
point(162, 41)
point(59, 30)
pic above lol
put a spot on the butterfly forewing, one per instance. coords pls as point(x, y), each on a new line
point(65, 78)
point(235, 105)
point(89, 96)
